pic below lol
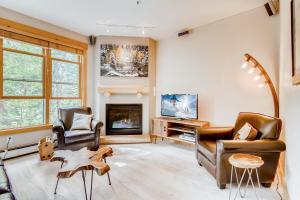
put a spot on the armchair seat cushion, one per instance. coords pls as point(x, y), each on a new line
point(208, 149)
point(80, 138)
point(75, 133)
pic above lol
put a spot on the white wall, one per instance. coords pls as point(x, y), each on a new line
point(29, 138)
point(208, 62)
point(289, 104)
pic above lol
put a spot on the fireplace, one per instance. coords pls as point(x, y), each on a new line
point(124, 119)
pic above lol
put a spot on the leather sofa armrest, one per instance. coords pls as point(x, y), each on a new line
point(96, 125)
point(239, 146)
point(59, 130)
point(214, 133)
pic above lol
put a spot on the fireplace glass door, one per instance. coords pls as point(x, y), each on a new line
point(123, 119)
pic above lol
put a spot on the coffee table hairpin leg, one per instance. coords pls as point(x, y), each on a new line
point(239, 182)
point(83, 172)
point(62, 163)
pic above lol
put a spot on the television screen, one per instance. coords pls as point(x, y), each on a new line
point(179, 105)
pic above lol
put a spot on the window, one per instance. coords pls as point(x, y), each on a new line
point(65, 82)
point(36, 80)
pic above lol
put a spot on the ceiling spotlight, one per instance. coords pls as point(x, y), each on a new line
point(138, 2)
point(143, 32)
point(107, 30)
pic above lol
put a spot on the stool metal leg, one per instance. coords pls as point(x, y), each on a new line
point(230, 182)
point(249, 175)
point(258, 181)
point(239, 182)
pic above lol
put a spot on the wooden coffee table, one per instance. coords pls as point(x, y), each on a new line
point(82, 160)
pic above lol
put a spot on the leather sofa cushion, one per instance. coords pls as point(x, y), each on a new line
point(268, 127)
point(66, 115)
point(208, 149)
point(4, 182)
point(78, 133)
point(7, 196)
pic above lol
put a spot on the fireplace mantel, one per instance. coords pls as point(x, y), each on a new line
point(123, 89)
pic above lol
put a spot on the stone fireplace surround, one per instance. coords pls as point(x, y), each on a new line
point(124, 90)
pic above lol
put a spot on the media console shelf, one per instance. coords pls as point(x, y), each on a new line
point(171, 128)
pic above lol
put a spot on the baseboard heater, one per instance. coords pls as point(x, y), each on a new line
point(19, 151)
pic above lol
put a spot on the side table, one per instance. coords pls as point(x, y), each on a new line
point(249, 163)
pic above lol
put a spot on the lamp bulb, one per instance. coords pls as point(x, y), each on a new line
point(256, 78)
point(245, 65)
point(261, 85)
point(250, 71)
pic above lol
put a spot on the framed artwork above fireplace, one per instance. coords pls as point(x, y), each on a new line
point(124, 60)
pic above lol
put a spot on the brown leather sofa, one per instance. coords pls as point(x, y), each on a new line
point(76, 139)
point(5, 188)
point(214, 145)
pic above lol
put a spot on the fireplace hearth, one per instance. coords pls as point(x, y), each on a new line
point(124, 119)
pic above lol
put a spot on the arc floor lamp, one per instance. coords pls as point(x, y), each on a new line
point(262, 76)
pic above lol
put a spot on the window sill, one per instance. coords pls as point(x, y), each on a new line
point(25, 130)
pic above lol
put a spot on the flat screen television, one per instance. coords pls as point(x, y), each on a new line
point(183, 106)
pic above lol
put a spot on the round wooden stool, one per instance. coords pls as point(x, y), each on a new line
point(248, 163)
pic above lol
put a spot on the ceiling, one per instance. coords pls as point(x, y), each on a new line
point(166, 17)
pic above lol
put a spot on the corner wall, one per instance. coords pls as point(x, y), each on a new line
point(207, 62)
point(289, 104)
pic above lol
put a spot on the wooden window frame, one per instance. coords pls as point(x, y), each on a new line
point(25, 53)
point(47, 40)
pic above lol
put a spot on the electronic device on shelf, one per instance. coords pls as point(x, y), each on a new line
point(181, 106)
point(187, 137)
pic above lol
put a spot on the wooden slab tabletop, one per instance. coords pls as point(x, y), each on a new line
point(245, 161)
point(83, 159)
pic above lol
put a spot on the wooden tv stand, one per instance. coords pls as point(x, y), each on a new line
point(171, 128)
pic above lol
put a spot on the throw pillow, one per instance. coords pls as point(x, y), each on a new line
point(247, 132)
point(81, 122)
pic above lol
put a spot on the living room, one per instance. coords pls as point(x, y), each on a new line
point(140, 99)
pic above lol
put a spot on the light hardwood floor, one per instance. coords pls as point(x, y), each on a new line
point(162, 171)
